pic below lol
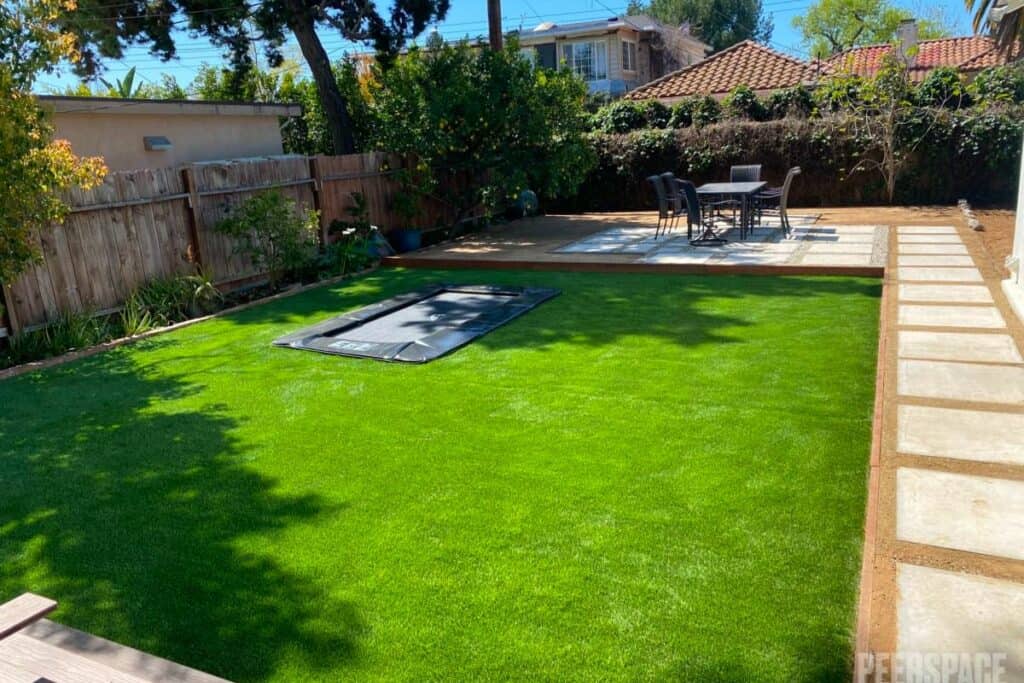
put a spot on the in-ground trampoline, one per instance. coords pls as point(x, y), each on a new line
point(421, 325)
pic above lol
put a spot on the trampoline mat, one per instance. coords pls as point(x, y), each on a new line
point(419, 326)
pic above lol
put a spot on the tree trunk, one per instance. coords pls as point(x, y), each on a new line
point(331, 99)
point(494, 23)
point(891, 167)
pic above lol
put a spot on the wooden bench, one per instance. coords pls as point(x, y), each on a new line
point(36, 650)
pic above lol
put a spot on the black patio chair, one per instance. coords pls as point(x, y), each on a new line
point(746, 173)
point(750, 173)
point(695, 216)
point(675, 197)
point(776, 199)
point(669, 206)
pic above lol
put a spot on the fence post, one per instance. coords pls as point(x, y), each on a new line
point(189, 179)
point(318, 200)
point(7, 300)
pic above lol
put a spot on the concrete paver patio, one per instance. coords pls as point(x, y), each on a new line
point(960, 511)
point(824, 238)
point(984, 436)
point(951, 612)
point(951, 316)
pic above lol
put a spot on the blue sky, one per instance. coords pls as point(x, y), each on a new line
point(469, 17)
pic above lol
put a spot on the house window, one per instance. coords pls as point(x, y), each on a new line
point(529, 54)
point(628, 55)
point(589, 60)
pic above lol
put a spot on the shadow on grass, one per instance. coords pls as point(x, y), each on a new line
point(596, 309)
point(146, 523)
point(135, 520)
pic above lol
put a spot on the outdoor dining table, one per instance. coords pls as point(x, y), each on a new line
point(744, 192)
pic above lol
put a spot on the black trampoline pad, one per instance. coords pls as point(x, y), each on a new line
point(419, 326)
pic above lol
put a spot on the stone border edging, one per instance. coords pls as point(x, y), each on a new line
point(608, 267)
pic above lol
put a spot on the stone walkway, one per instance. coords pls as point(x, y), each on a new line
point(945, 541)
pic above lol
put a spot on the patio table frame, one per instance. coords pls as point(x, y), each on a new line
point(742, 191)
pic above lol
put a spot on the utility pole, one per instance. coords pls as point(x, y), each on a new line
point(494, 23)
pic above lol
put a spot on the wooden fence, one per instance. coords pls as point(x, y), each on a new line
point(150, 223)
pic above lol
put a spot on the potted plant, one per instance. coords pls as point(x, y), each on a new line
point(406, 204)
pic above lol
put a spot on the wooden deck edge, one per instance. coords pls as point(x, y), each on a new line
point(23, 610)
point(115, 657)
point(862, 640)
point(613, 267)
point(114, 343)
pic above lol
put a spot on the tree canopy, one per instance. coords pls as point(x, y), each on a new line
point(831, 26)
point(490, 115)
point(104, 28)
point(36, 167)
point(719, 23)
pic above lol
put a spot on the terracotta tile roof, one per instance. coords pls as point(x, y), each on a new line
point(966, 53)
point(747, 63)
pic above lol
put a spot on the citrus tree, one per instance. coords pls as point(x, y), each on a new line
point(35, 166)
point(491, 115)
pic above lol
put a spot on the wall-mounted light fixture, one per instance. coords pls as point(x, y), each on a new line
point(156, 143)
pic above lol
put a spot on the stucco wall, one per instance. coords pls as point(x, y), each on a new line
point(208, 137)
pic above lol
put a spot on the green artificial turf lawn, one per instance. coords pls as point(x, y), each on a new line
point(648, 477)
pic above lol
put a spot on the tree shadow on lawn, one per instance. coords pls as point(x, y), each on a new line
point(595, 309)
point(822, 660)
point(155, 548)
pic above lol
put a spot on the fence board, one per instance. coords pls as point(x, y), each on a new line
point(62, 270)
point(138, 226)
point(239, 180)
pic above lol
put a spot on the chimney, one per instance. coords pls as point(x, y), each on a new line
point(906, 32)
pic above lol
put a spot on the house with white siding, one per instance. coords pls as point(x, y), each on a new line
point(614, 55)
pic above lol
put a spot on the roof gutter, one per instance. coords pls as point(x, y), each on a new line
point(113, 105)
point(999, 12)
point(547, 36)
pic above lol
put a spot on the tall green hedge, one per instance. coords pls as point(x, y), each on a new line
point(972, 153)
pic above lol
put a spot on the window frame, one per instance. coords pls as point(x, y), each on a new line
point(630, 49)
point(597, 45)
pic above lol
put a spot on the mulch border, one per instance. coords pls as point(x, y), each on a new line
point(121, 341)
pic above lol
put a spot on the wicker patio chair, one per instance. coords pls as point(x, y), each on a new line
point(750, 173)
point(695, 216)
point(776, 199)
point(666, 210)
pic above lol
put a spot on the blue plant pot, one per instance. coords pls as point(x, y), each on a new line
point(406, 239)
